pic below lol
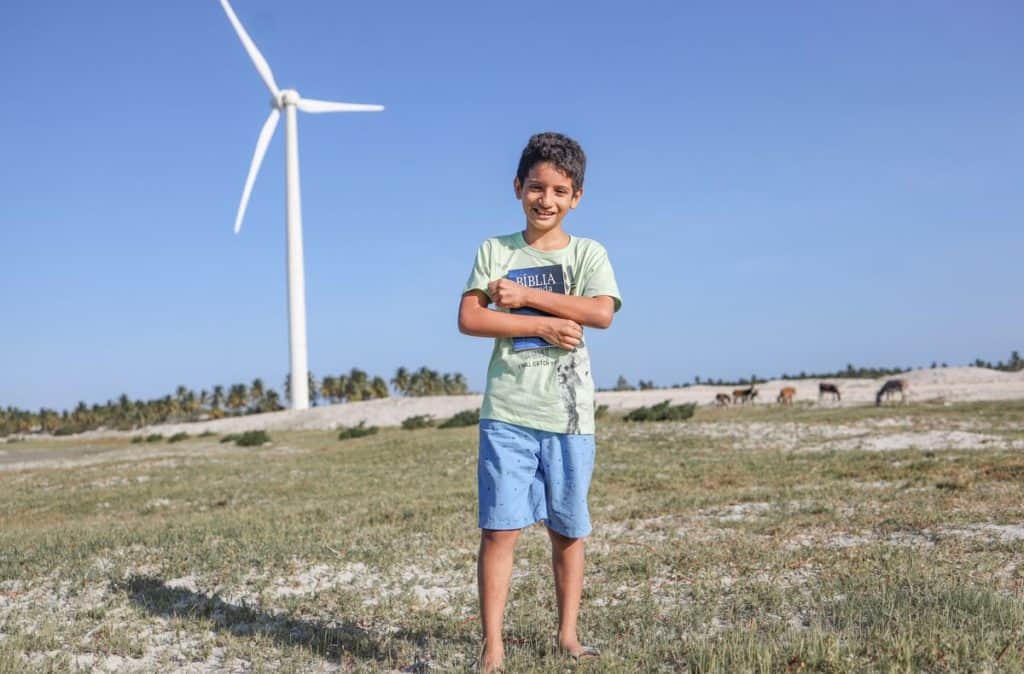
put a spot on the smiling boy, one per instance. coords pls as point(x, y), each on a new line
point(537, 419)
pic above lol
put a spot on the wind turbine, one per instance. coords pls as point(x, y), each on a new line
point(287, 100)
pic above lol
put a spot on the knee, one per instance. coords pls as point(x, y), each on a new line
point(495, 537)
point(560, 540)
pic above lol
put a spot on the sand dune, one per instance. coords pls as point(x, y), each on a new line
point(955, 384)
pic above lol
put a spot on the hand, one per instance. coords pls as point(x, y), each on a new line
point(507, 294)
point(560, 332)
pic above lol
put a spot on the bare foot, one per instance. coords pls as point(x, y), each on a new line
point(574, 649)
point(491, 659)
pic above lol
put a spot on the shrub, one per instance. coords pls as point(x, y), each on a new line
point(207, 434)
point(358, 431)
point(64, 430)
point(419, 421)
point(230, 437)
point(177, 437)
point(601, 412)
point(136, 439)
point(463, 418)
point(155, 437)
point(663, 411)
point(252, 439)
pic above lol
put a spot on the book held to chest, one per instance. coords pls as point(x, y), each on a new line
point(550, 278)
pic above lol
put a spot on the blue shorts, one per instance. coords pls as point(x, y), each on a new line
point(525, 475)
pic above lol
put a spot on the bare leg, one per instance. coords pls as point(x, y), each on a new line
point(567, 562)
point(494, 574)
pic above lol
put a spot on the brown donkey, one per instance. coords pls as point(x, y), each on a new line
point(743, 395)
point(890, 389)
point(831, 389)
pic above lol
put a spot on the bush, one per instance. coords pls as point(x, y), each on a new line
point(177, 437)
point(230, 437)
point(64, 430)
point(155, 437)
point(207, 434)
point(252, 439)
point(417, 422)
point(136, 439)
point(663, 411)
point(358, 431)
point(463, 418)
point(601, 412)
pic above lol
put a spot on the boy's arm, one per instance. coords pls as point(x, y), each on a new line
point(477, 320)
point(594, 312)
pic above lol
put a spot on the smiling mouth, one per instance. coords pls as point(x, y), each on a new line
point(543, 214)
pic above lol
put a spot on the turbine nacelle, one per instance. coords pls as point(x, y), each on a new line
point(285, 97)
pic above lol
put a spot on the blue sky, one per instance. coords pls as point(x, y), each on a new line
point(780, 187)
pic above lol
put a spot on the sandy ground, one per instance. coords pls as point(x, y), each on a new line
point(948, 384)
point(435, 585)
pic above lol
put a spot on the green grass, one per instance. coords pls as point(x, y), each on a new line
point(252, 439)
point(417, 421)
point(360, 430)
point(715, 550)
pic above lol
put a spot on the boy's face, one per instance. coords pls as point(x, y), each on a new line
point(547, 197)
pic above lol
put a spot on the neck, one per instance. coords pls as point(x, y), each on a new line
point(550, 240)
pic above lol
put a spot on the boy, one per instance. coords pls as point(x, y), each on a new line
point(537, 419)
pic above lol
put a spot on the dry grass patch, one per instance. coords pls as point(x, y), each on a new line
point(720, 545)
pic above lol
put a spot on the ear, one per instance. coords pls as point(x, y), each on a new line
point(576, 198)
point(518, 187)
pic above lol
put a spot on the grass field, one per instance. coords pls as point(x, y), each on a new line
point(762, 539)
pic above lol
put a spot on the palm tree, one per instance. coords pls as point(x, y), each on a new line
point(357, 386)
point(435, 383)
point(272, 402)
point(314, 393)
point(256, 393)
point(401, 381)
point(236, 397)
point(218, 397)
point(379, 387)
point(191, 405)
point(329, 388)
point(341, 387)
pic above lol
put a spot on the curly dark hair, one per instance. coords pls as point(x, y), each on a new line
point(562, 151)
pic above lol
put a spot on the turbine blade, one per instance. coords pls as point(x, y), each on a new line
point(262, 67)
point(266, 133)
point(313, 105)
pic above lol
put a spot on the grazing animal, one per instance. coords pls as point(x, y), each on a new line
point(786, 396)
point(722, 399)
point(744, 395)
point(831, 389)
point(890, 389)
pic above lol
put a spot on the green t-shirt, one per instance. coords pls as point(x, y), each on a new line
point(549, 389)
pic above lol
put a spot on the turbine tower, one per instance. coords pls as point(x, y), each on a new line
point(287, 100)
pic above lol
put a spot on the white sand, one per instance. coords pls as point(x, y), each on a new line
point(955, 384)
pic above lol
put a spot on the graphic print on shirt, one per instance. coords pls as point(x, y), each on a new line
point(549, 278)
point(572, 372)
